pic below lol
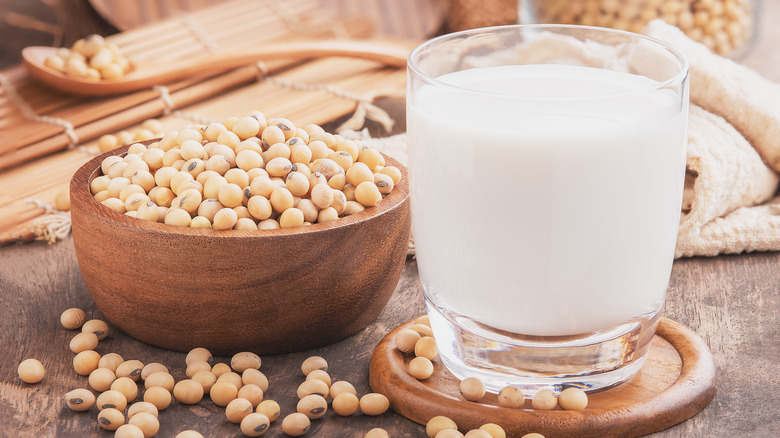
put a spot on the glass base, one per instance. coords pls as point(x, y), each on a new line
point(591, 361)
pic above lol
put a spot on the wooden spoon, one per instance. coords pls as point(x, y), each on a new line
point(149, 74)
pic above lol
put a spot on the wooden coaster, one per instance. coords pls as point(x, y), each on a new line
point(676, 382)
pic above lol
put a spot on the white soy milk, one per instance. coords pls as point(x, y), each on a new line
point(542, 208)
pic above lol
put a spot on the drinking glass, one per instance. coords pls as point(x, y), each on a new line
point(547, 168)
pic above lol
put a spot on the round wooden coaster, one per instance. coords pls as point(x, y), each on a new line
point(676, 382)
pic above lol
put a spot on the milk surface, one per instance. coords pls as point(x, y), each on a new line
point(546, 203)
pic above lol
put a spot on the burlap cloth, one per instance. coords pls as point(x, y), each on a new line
point(729, 205)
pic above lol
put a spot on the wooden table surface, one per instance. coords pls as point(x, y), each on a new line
point(732, 302)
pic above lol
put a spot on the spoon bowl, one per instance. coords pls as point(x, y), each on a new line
point(147, 75)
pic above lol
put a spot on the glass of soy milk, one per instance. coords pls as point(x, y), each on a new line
point(547, 168)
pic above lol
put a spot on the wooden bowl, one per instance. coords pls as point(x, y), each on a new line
point(270, 291)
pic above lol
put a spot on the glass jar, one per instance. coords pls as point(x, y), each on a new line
point(725, 26)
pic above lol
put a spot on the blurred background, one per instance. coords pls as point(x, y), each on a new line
point(61, 22)
point(728, 27)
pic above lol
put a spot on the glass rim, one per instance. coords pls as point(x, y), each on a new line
point(678, 78)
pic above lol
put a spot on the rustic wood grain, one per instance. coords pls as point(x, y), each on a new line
point(676, 382)
point(732, 302)
point(39, 281)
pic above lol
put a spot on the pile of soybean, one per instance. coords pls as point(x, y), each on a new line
point(246, 173)
point(239, 387)
point(90, 58)
point(724, 26)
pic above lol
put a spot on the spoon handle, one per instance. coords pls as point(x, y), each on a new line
point(391, 54)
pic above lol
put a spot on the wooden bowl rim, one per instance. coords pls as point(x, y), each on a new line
point(79, 189)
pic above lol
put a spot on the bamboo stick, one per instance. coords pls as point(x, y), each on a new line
point(81, 114)
point(217, 19)
point(216, 97)
point(20, 182)
point(12, 222)
point(45, 130)
point(21, 234)
point(205, 15)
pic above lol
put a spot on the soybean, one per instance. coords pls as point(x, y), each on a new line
point(231, 377)
point(374, 404)
point(309, 387)
point(158, 396)
point(438, 424)
point(340, 387)
point(237, 409)
point(251, 392)
point(478, 433)
point(80, 400)
point(240, 362)
point(129, 431)
point(367, 194)
point(72, 318)
point(345, 404)
point(31, 371)
point(195, 367)
point(406, 339)
point(83, 342)
point(544, 400)
point(253, 376)
point(421, 368)
point(86, 362)
point(126, 386)
point(207, 379)
point(111, 399)
point(111, 419)
point(255, 424)
point(511, 397)
point(472, 389)
point(96, 326)
point(137, 408)
point(313, 406)
point(131, 369)
point(494, 430)
point(377, 433)
point(220, 369)
point(198, 354)
point(296, 424)
point(320, 375)
point(188, 392)
point(270, 409)
point(189, 434)
point(151, 368)
point(426, 347)
point(101, 379)
point(573, 399)
point(110, 361)
point(223, 393)
point(147, 422)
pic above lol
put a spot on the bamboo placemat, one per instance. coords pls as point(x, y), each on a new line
point(38, 157)
point(391, 17)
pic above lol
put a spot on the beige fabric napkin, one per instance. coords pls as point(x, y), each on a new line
point(733, 141)
point(724, 174)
